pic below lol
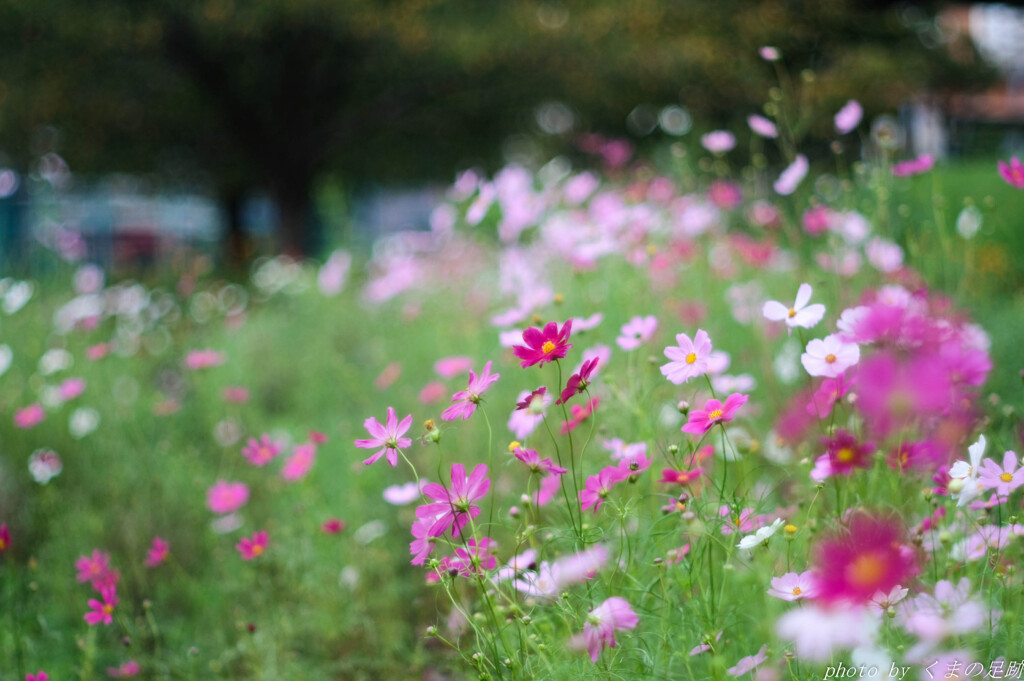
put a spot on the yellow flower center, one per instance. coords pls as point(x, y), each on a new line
point(548, 347)
point(257, 549)
point(790, 529)
point(3, 544)
point(691, 358)
point(845, 455)
point(108, 608)
point(797, 591)
point(792, 313)
point(1006, 477)
point(866, 570)
point(714, 414)
point(514, 445)
point(830, 358)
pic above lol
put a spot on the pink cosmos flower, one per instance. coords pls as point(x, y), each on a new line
point(689, 358)
point(261, 452)
point(598, 487)
point(636, 332)
point(5, 538)
point(226, 497)
point(799, 314)
point(792, 176)
point(725, 194)
point(253, 548)
point(845, 453)
point(203, 359)
point(98, 351)
point(914, 166)
point(124, 671)
point(793, 587)
point(388, 376)
point(549, 486)
point(829, 357)
point(422, 544)
point(828, 393)
point(680, 477)
point(44, 465)
point(472, 560)
point(400, 495)
point(848, 117)
point(579, 381)
point(702, 420)
point(464, 402)
point(30, 416)
point(38, 676)
point(819, 632)
point(235, 395)
point(544, 345)
point(96, 569)
point(867, 556)
point(1003, 479)
point(432, 392)
point(71, 388)
point(332, 526)
point(157, 553)
point(718, 141)
point(529, 412)
point(536, 464)
point(817, 220)
point(748, 663)
point(768, 53)
point(102, 611)
point(1013, 172)
point(387, 437)
point(762, 126)
point(450, 367)
point(454, 506)
point(613, 615)
point(706, 644)
point(950, 612)
point(300, 462)
point(579, 415)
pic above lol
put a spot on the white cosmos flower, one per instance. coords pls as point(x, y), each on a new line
point(799, 314)
point(761, 536)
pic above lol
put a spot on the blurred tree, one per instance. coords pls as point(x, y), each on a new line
point(274, 93)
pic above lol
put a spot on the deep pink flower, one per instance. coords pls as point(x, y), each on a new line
point(869, 555)
point(387, 437)
point(528, 401)
point(579, 415)
point(914, 166)
point(38, 676)
point(464, 402)
point(96, 569)
point(636, 332)
point(549, 486)
point(300, 462)
point(724, 194)
point(680, 477)
point(1003, 479)
point(817, 220)
point(1013, 173)
point(828, 393)
point(5, 538)
point(157, 553)
point(332, 526)
point(254, 547)
point(613, 615)
point(689, 358)
point(544, 345)
point(30, 416)
point(203, 359)
point(598, 487)
point(71, 388)
point(471, 560)
point(225, 497)
point(702, 420)
point(124, 671)
point(261, 452)
point(454, 506)
point(845, 453)
point(536, 464)
point(579, 381)
point(102, 611)
point(422, 544)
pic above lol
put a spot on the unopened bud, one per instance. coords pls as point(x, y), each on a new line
point(673, 449)
point(514, 512)
point(683, 407)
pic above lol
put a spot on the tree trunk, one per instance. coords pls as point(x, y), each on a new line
point(293, 206)
point(236, 246)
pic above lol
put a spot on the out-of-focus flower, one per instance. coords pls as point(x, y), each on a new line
point(718, 141)
point(225, 497)
point(799, 314)
point(252, 548)
point(1012, 172)
point(44, 465)
point(794, 587)
point(849, 117)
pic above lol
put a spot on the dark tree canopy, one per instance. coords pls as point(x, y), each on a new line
point(275, 93)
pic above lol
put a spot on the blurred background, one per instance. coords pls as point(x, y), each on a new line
point(132, 133)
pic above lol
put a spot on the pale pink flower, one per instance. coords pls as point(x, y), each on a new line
point(818, 633)
point(464, 402)
point(829, 357)
point(748, 663)
point(689, 358)
point(769, 53)
point(124, 671)
point(762, 126)
point(792, 176)
point(450, 367)
point(718, 141)
point(636, 332)
point(432, 392)
point(30, 416)
point(612, 615)
point(950, 612)
point(71, 388)
point(400, 495)
point(300, 462)
point(388, 376)
point(261, 452)
point(848, 117)
point(226, 497)
point(799, 314)
point(884, 256)
point(203, 359)
point(1003, 479)
point(794, 587)
point(386, 436)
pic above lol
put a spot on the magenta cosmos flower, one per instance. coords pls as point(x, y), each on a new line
point(615, 614)
point(5, 538)
point(261, 452)
point(102, 611)
point(300, 462)
point(253, 548)
point(124, 671)
point(579, 381)
point(799, 314)
point(454, 506)
point(30, 416)
point(536, 464)
point(1003, 479)
point(701, 420)
point(1013, 172)
point(598, 487)
point(544, 345)
point(867, 556)
point(96, 570)
point(689, 358)
point(387, 437)
point(845, 453)
point(157, 553)
point(225, 497)
point(464, 402)
point(38, 676)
